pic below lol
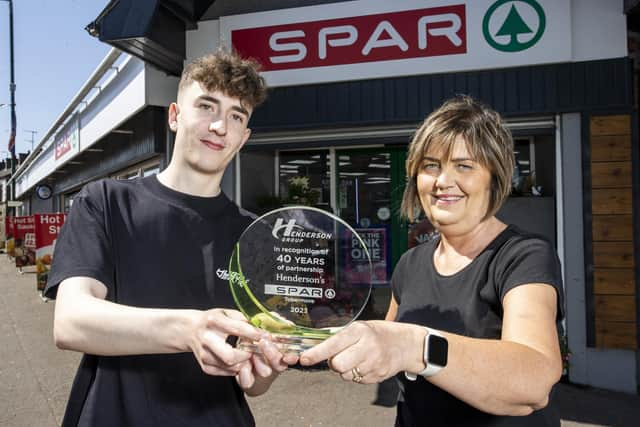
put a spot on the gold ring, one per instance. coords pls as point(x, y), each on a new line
point(357, 376)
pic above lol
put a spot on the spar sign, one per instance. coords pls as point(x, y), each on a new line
point(47, 230)
point(67, 141)
point(380, 38)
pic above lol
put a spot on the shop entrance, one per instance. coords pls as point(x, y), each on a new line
point(363, 187)
point(364, 201)
point(369, 185)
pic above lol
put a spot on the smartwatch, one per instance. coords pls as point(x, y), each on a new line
point(436, 349)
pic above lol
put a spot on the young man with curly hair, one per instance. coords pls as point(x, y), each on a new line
point(140, 275)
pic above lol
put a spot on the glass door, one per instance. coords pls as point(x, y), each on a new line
point(363, 187)
point(363, 180)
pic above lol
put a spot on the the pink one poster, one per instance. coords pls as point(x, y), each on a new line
point(47, 229)
point(356, 267)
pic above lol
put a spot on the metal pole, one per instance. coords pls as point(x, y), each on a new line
point(33, 136)
point(12, 90)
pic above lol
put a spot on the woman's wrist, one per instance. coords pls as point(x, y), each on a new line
point(415, 351)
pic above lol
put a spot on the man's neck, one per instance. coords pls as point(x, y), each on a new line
point(188, 181)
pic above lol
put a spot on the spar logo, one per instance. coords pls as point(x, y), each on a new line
point(299, 291)
point(434, 31)
point(513, 25)
point(290, 231)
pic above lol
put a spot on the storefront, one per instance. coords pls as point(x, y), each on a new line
point(351, 86)
point(115, 126)
point(351, 81)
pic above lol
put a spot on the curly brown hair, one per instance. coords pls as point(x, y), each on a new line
point(488, 140)
point(229, 73)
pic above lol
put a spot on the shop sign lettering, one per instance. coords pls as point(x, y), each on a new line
point(380, 37)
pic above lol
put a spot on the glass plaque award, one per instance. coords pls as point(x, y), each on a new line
point(301, 274)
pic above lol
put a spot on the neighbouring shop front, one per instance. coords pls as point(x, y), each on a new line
point(114, 127)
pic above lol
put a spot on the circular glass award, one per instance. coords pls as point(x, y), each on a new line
point(301, 274)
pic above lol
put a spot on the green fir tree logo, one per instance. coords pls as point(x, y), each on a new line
point(513, 26)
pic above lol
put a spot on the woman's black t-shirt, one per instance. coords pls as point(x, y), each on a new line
point(469, 303)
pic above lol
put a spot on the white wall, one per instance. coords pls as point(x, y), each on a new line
point(115, 104)
point(598, 29)
point(203, 40)
point(161, 89)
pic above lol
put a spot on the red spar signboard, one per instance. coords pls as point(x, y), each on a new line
point(47, 229)
point(381, 37)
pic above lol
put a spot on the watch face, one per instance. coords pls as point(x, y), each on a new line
point(438, 350)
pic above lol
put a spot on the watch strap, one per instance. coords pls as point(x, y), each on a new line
point(431, 368)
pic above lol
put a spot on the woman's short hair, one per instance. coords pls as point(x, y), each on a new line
point(229, 73)
point(488, 140)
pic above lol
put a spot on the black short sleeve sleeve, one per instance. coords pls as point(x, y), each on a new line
point(397, 278)
point(407, 269)
point(83, 246)
point(529, 260)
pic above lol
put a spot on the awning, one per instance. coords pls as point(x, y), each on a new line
point(152, 30)
point(632, 10)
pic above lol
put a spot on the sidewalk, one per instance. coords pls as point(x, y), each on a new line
point(35, 379)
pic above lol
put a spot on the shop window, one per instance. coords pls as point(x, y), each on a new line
point(304, 178)
point(153, 170)
point(532, 206)
point(258, 181)
point(67, 201)
point(534, 171)
point(364, 187)
point(524, 171)
point(24, 209)
point(130, 175)
point(140, 170)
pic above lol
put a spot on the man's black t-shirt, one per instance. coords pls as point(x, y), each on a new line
point(469, 303)
point(158, 248)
